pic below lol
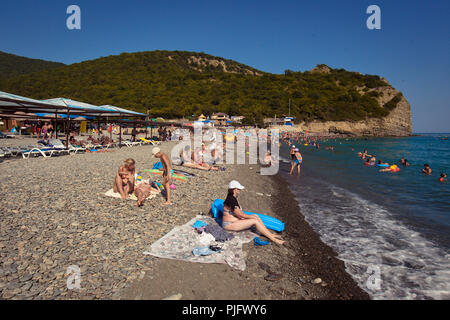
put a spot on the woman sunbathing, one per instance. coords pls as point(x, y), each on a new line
point(124, 181)
point(234, 219)
point(187, 161)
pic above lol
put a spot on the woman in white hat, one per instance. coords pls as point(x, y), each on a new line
point(234, 219)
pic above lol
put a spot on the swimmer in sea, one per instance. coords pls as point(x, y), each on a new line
point(443, 177)
point(426, 169)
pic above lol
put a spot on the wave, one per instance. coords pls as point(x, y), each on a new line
point(388, 259)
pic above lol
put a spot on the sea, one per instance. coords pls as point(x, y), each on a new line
point(392, 230)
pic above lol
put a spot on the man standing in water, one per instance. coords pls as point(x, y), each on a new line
point(167, 170)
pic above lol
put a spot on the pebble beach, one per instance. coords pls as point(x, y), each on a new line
point(54, 214)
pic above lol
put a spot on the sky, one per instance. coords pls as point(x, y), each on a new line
point(411, 50)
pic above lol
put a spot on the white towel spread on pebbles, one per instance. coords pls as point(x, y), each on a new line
point(111, 193)
point(179, 242)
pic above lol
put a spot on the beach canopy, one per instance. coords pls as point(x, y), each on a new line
point(90, 109)
point(123, 111)
point(64, 116)
point(15, 106)
point(11, 104)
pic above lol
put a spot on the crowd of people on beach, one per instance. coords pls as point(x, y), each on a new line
point(234, 219)
point(127, 181)
point(369, 159)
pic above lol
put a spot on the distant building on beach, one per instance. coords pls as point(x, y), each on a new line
point(220, 118)
point(237, 119)
point(287, 121)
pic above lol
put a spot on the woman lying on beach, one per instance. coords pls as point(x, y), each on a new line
point(124, 180)
point(234, 219)
point(195, 160)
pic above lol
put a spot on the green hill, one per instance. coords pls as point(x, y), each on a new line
point(12, 65)
point(180, 83)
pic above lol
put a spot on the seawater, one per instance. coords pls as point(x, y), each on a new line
point(395, 223)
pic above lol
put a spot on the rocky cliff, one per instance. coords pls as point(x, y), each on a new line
point(397, 123)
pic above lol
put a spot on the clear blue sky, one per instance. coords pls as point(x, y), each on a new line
point(411, 50)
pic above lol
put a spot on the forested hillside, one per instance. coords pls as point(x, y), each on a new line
point(12, 65)
point(180, 83)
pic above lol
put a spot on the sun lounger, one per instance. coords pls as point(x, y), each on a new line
point(37, 152)
point(132, 144)
point(149, 141)
point(7, 135)
point(42, 150)
point(6, 152)
point(58, 146)
point(74, 149)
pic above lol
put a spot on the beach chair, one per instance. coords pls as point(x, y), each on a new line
point(46, 153)
point(75, 149)
point(132, 144)
point(58, 147)
point(8, 135)
point(147, 141)
point(11, 151)
point(6, 152)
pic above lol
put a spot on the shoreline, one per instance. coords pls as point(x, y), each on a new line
point(319, 258)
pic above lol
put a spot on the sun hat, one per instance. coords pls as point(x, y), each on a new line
point(155, 151)
point(235, 185)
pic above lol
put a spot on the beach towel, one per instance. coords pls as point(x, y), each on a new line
point(111, 193)
point(218, 232)
point(181, 240)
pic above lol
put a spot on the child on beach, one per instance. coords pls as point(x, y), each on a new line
point(167, 171)
point(143, 189)
point(124, 181)
point(268, 159)
point(234, 219)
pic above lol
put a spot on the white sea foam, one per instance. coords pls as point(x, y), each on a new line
point(366, 236)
